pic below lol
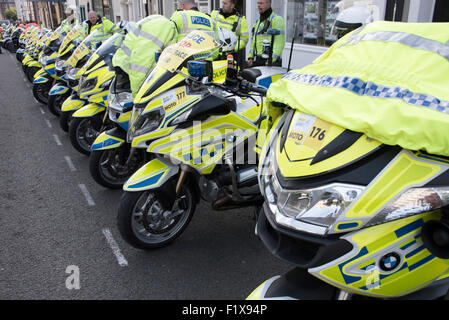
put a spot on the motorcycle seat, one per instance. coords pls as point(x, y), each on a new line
point(251, 74)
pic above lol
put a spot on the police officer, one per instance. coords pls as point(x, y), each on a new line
point(227, 17)
point(68, 23)
point(267, 20)
point(136, 55)
point(96, 22)
point(189, 18)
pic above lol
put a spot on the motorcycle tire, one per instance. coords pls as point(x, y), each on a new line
point(143, 227)
point(41, 90)
point(64, 119)
point(83, 132)
point(106, 166)
point(55, 102)
point(30, 72)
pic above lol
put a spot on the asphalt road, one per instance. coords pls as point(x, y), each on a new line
point(55, 220)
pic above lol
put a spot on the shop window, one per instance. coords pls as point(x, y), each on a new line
point(313, 20)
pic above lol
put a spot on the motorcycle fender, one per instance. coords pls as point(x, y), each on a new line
point(27, 59)
point(50, 69)
point(58, 89)
point(110, 139)
point(151, 176)
point(40, 79)
point(34, 63)
point(71, 104)
point(88, 111)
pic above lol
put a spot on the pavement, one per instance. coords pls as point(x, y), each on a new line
point(58, 235)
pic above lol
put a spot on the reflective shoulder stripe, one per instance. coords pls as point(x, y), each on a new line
point(138, 68)
point(185, 22)
point(151, 37)
point(371, 89)
point(408, 39)
point(126, 49)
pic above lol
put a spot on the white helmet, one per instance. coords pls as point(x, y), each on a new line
point(227, 38)
point(350, 19)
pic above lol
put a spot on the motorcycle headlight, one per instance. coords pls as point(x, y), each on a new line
point(120, 100)
point(319, 210)
point(312, 210)
point(88, 84)
point(145, 123)
point(71, 73)
point(411, 202)
point(43, 60)
point(59, 65)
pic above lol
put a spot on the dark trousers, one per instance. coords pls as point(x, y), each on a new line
point(260, 62)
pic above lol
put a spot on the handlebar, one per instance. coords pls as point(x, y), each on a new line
point(250, 87)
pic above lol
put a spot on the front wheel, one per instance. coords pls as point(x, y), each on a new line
point(55, 102)
point(111, 167)
point(143, 222)
point(83, 132)
point(41, 90)
point(30, 72)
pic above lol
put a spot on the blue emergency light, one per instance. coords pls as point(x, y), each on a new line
point(197, 68)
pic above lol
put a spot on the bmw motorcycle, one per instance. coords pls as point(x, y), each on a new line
point(95, 78)
point(73, 67)
point(201, 135)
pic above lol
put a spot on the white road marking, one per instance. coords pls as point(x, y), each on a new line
point(42, 110)
point(115, 248)
point(48, 123)
point(58, 142)
point(86, 194)
point(70, 163)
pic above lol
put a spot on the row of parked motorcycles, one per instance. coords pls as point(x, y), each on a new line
point(9, 39)
point(198, 129)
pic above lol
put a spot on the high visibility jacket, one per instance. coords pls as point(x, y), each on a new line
point(259, 34)
point(189, 20)
point(236, 23)
point(388, 80)
point(103, 24)
point(136, 55)
point(68, 25)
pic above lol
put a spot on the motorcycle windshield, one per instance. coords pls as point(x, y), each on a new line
point(104, 53)
point(197, 45)
point(73, 36)
point(87, 46)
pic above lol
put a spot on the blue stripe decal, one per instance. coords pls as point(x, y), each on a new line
point(106, 143)
point(351, 279)
point(349, 225)
point(412, 253)
point(409, 228)
point(420, 263)
point(370, 89)
point(407, 245)
point(265, 82)
point(147, 182)
point(177, 112)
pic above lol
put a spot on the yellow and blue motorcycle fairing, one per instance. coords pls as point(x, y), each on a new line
point(89, 110)
point(110, 139)
point(370, 255)
point(151, 176)
point(41, 76)
point(58, 89)
point(72, 104)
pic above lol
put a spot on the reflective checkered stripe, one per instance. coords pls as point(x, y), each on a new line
point(407, 39)
point(371, 89)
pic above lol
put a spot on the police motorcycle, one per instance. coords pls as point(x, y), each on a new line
point(60, 91)
point(22, 44)
point(30, 62)
point(111, 164)
point(193, 129)
point(43, 79)
point(11, 40)
point(356, 217)
point(95, 78)
point(73, 67)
